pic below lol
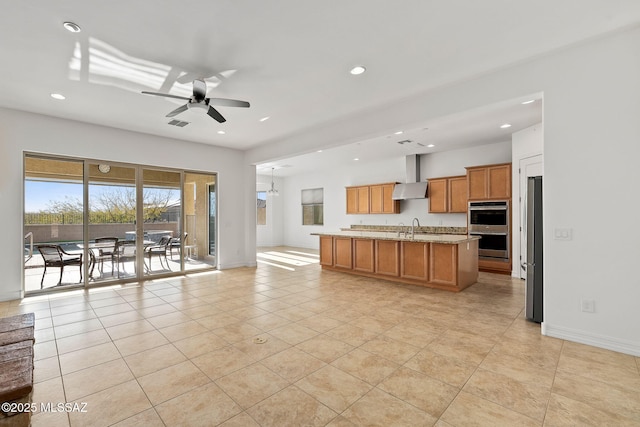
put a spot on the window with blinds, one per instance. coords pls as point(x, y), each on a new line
point(312, 206)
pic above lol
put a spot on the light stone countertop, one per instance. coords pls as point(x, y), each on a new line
point(393, 235)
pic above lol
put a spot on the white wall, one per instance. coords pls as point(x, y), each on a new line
point(591, 134)
point(21, 132)
point(434, 165)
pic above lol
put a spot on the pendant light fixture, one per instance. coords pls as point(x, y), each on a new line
point(272, 191)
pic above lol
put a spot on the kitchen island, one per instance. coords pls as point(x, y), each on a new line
point(443, 261)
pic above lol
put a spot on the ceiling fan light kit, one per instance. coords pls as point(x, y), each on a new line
point(199, 101)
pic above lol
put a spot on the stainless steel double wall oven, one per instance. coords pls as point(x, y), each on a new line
point(490, 221)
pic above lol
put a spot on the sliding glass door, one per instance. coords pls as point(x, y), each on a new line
point(112, 214)
point(53, 223)
point(89, 222)
point(199, 221)
point(161, 204)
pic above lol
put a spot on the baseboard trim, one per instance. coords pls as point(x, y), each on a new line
point(10, 296)
point(582, 337)
point(237, 265)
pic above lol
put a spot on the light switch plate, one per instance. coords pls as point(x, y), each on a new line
point(562, 233)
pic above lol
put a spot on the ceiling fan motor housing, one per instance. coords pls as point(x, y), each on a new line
point(197, 105)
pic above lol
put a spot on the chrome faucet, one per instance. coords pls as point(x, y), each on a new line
point(401, 230)
point(415, 221)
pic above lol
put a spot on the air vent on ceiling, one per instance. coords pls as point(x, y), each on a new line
point(178, 123)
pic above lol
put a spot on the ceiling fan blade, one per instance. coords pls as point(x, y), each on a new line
point(224, 102)
point(199, 89)
point(186, 78)
point(212, 112)
point(178, 110)
point(166, 95)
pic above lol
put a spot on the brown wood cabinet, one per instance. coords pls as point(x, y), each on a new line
point(414, 260)
point(457, 186)
point(438, 195)
point(381, 201)
point(448, 194)
point(387, 257)
point(489, 182)
point(449, 266)
point(358, 200)
point(352, 200)
point(326, 250)
point(365, 199)
point(442, 265)
point(342, 252)
point(363, 258)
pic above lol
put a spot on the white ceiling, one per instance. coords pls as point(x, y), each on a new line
point(290, 59)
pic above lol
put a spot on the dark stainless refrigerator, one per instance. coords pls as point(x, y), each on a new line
point(533, 224)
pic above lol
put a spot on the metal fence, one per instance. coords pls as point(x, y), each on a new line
point(40, 218)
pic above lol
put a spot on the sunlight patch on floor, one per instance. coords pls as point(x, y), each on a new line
point(275, 265)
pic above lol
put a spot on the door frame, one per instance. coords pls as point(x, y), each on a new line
point(527, 166)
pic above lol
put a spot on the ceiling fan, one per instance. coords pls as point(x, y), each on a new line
point(199, 100)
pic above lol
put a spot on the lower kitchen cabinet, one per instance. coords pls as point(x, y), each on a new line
point(415, 261)
point(442, 264)
point(363, 259)
point(387, 256)
point(451, 266)
point(326, 250)
point(342, 252)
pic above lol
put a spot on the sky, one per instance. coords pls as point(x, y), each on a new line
point(39, 194)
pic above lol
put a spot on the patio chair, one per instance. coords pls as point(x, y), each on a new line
point(106, 252)
point(125, 251)
point(55, 256)
point(176, 242)
point(159, 250)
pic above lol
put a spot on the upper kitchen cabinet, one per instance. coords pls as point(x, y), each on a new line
point(381, 201)
point(448, 194)
point(489, 182)
point(365, 199)
point(457, 186)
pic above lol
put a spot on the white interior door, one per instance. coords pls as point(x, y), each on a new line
point(529, 166)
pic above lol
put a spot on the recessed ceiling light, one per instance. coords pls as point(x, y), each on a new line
point(399, 132)
point(431, 145)
point(319, 151)
point(72, 27)
point(356, 159)
point(358, 69)
point(58, 96)
point(528, 102)
point(504, 126)
point(264, 119)
point(221, 132)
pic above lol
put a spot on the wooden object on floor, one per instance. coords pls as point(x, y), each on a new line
point(16, 367)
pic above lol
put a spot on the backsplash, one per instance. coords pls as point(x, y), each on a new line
point(421, 229)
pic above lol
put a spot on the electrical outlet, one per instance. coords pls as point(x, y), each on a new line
point(588, 305)
point(562, 233)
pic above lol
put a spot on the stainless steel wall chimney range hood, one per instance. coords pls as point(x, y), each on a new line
point(413, 188)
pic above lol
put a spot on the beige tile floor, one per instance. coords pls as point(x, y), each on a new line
point(340, 350)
